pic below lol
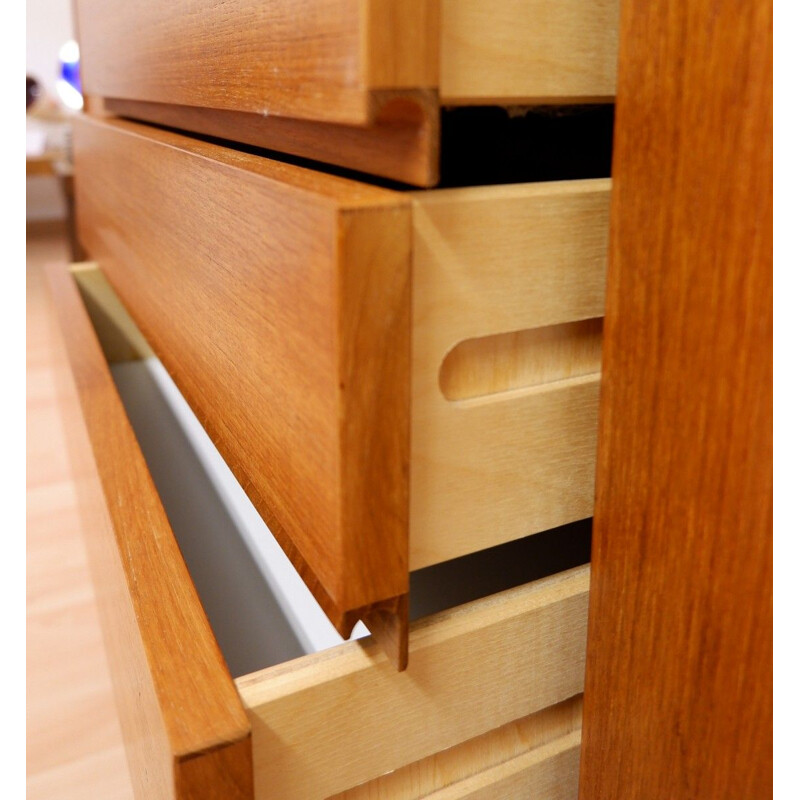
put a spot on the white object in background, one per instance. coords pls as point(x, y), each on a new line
point(35, 142)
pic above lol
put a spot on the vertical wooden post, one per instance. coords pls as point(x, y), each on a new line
point(679, 675)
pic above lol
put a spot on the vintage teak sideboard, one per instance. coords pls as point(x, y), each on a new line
point(357, 252)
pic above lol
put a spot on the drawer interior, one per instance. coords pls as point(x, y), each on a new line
point(493, 685)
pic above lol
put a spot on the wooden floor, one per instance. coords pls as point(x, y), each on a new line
point(74, 744)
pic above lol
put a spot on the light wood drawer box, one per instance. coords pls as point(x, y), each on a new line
point(494, 683)
point(353, 82)
point(396, 379)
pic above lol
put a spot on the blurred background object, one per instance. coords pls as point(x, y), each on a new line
point(32, 92)
point(52, 98)
point(68, 85)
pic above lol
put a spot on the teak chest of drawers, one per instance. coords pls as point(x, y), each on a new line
point(397, 378)
point(401, 377)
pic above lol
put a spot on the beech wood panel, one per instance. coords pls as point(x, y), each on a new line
point(279, 301)
point(505, 464)
point(458, 768)
point(505, 361)
point(528, 51)
point(185, 731)
point(679, 686)
point(471, 669)
point(548, 773)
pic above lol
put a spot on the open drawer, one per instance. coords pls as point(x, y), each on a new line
point(489, 701)
point(396, 379)
point(358, 83)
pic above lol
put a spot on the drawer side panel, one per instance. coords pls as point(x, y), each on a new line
point(511, 462)
point(471, 669)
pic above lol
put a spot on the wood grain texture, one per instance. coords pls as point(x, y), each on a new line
point(548, 773)
point(400, 43)
point(185, 731)
point(74, 746)
point(456, 687)
point(533, 357)
point(528, 51)
point(401, 143)
point(279, 301)
point(494, 260)
point(472, 760)
point(308, 59)
point(357, 83)
point(323, 59)
point(679, 687)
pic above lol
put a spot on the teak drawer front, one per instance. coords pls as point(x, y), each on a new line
point(352, 82)
point(182, 720)
point(488, 704)
point(279, 300)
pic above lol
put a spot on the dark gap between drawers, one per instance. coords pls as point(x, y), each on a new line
point(487, 145)
point(486, 572)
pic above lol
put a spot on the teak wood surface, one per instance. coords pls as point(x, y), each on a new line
point(357, 83)
point(402, 143)
point(185, 731)
point(74, 745)
point(279, 300)
point(308, 59)
point(679, 686)
point(471, 670)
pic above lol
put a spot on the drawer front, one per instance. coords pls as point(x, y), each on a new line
point(322, 60)
point(183, 724)
point(488, 705)
point(351, 82)
point(279, 300)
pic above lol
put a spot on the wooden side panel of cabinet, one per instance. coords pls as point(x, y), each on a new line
point(679, 687)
